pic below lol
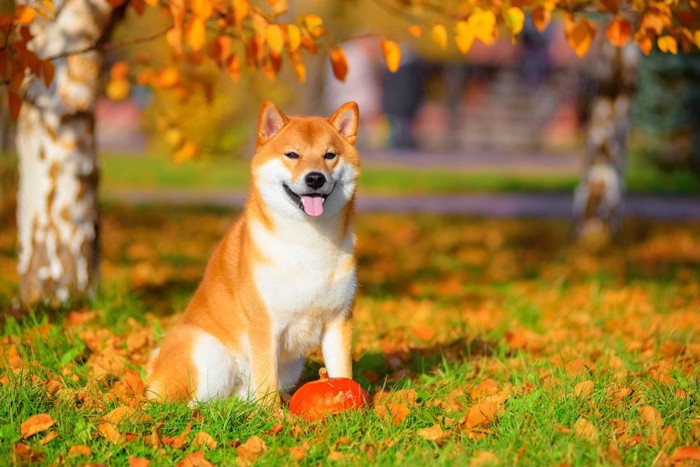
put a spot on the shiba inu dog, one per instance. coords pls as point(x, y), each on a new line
point(283, 279)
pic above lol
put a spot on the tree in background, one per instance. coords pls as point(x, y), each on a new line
point(53, 58)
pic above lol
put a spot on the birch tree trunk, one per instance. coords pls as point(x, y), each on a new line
point(57, 206)
point(599, 194)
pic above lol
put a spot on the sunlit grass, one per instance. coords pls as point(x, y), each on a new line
point(146, 171)
point(445, 304)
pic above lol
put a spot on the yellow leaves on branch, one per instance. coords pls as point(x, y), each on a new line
point(196, 33)
point(438, 33)
point(579, 34)
point(392, 54)
point(274, 39)
point(481, 25)
point(514, 19)
point(667, 44)
point(619, 31)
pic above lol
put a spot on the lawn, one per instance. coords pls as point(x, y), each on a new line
point(149, 172)
point(482, 342)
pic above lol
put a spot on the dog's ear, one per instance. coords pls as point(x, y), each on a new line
point(270, 121)
point(345, 120)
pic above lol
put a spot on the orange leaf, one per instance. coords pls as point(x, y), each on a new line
point(392, 54)
point(50, 436)
point(241, 9)
point(233, 67)
point(314, 24)
point(394, 412)
point(579, 34)
point(196, 459)
point(433, 433)
point(119, 70)
point(294, 37)
point(415, 31)
point(204, 439)
point(584, 389)
point(138, 462)
point(686, 453)
point(251, 449)
point(667, 44)
point(584, 429)
point(110, 433)
point(464, 36)
point(541, 17)
point(24, 14)
point(274, 39)
point(201, 8)
point(119, 415)
point(79, 450)
point(651, 417)
point(438, 34)
point(644, 42)
point(37, 423)
point(196, 33)
point(339, 63)
point(481, 414)
point(178, 441)
point(619, 32)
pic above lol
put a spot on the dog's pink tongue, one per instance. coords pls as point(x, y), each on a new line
point(313, 205)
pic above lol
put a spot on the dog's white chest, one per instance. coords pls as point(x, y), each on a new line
point(305, 279)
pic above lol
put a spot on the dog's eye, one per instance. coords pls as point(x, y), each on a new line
point(292, 155)
point(329, 155)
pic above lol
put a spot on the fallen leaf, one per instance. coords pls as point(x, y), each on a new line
point(686, 453)
point(36, 424)
point(402, 396)
point(433, 433)
point(483, 458)
point(138, 462)
point(669, 438)
point(250, 450)
point(79, 450)
point(614, 453)
point(481, 414)
point(651, 417)
point(622, 393)
point(204, 439)
point(196, 459)
point(585, 430)
point(110, 433)
point(50, 436)
point(335, 456)
point(118, 415)
point(298, 453)
point(584, 389)
point(396, 413)
point(177, 441)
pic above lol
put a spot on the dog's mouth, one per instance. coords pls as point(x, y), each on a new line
point(311, 203)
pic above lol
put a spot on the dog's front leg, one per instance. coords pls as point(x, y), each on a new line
point(336, 346)
point(264, 379)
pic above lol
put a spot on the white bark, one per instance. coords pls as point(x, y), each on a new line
point(57, 210)
point(599, 195)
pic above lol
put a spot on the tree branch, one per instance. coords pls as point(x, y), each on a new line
point(109, 45)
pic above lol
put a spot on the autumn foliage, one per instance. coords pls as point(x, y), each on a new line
point(242, 34)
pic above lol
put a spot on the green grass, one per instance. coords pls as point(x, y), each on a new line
point(149, 172)
point(507, 300)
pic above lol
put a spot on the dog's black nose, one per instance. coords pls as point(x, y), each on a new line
point(315, 180)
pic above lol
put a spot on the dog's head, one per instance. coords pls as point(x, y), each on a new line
point(306, 166)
